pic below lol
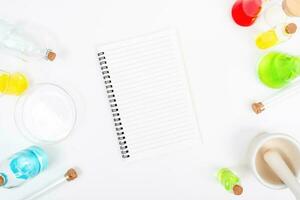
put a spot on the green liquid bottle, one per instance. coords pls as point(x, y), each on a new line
point(230, 181)
point(277, 70)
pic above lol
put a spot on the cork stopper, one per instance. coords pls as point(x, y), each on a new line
point(2, 180)
point(71, 174)
point(51, 55)
point(237, 190)
point(291, 28)
point(258, 107)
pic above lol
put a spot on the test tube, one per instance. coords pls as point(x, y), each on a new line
point(70, 175)
point(280, 96)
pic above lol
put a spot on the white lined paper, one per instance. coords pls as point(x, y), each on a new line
point(151, 91)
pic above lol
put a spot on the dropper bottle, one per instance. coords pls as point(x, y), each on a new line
point(275, 36)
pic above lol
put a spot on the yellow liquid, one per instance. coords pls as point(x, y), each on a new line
point(267, 39)
point(4, 78)
point(13, 84)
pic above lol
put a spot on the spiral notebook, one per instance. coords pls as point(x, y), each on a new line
point(148, 94)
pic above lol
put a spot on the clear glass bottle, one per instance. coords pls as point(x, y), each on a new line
point(22, 166)
point(275, 36)
point(16, 39)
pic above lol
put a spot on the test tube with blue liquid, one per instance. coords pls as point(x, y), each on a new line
point(22, 166)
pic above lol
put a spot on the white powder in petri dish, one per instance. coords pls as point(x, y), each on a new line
point(46, 114)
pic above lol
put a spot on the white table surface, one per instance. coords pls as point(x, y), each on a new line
point(221, 60)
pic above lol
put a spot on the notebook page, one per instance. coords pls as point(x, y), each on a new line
point(151, 92)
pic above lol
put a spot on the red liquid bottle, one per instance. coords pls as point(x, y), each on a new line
point(245, 12)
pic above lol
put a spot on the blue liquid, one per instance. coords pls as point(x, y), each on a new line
point(24, 165)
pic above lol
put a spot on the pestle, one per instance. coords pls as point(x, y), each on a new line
point(281, 169)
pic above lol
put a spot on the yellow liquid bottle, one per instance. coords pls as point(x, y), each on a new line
point(275, 36)
point(13, 84)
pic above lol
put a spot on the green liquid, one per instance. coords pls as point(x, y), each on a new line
point(228, 179)
point(277, 70)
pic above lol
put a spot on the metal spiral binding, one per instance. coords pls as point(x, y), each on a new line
point(113, 105)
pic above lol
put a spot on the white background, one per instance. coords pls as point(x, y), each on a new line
point(221, 60)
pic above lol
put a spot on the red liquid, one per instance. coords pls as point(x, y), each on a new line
point(245, 12)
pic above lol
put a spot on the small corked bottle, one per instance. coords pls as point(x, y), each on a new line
point(230, 181)
point(23, 42)
point(275, 36)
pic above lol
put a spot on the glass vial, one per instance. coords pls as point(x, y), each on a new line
point(17, 40)
point(275, 36)
point(230, 181)
point(22, 166)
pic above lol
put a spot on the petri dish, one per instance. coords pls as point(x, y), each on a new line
point(46, 114)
